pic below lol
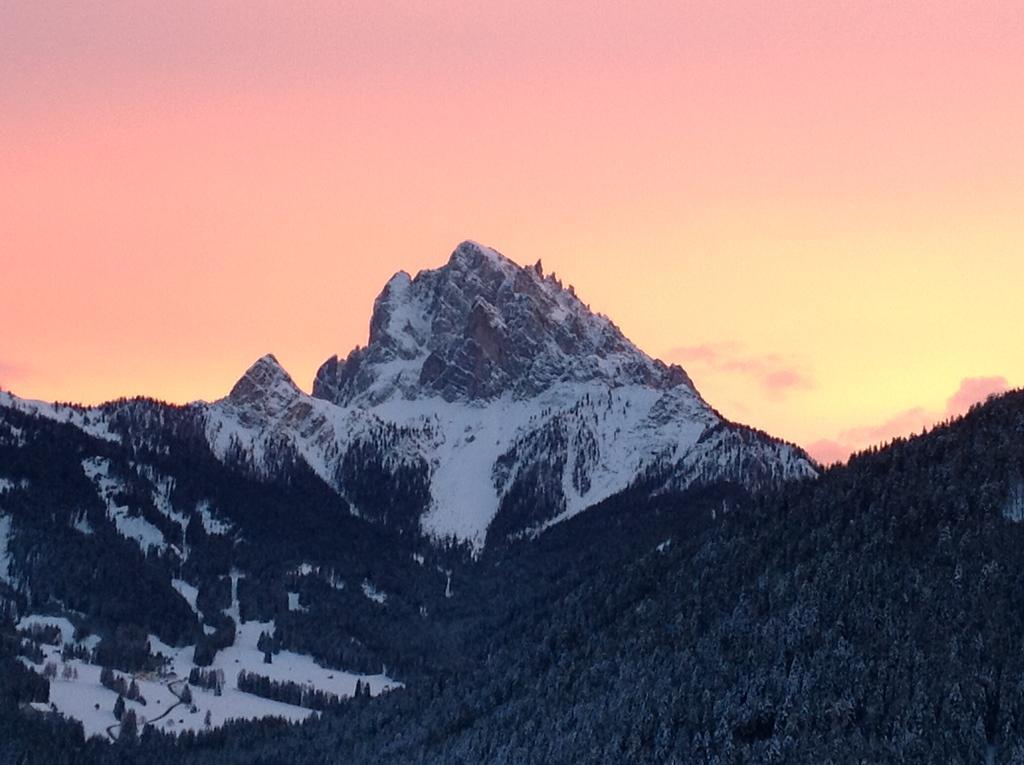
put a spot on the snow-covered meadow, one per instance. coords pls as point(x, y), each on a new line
point(76, 691)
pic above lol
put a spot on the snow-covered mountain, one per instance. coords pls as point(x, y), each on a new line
point(489, 403)
point(291, 534)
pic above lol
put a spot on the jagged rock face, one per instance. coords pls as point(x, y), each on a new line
point(265, 386)
point(481, 327)
point(267, 397)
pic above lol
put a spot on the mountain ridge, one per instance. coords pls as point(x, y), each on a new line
point(489, 403)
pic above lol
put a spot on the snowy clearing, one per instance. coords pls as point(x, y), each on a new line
point(77, 692)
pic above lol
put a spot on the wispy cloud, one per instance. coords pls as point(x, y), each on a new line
point(900, 424)
point(972, 390)
point(827, 451)
point(774, 374)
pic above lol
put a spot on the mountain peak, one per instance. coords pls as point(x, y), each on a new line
point(470, 251)
point(481, 327)
point(264, 381)
point(473, 257)
point(495, 403)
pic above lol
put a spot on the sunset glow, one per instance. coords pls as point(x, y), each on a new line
point(816, 208)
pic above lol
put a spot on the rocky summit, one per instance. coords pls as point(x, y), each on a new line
point(480, 327)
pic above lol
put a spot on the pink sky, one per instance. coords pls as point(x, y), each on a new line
point(825, 195)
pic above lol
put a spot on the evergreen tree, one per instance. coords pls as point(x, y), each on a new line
point(128, 732)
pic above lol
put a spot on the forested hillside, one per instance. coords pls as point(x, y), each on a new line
point(873, 615)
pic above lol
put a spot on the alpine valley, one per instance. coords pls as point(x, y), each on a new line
point(500, 532)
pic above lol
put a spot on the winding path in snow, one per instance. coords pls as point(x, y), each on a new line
point(178, 702)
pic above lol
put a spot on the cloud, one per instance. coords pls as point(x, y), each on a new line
point(706, 353)
point(785, 379)
point(826, 451)
point(901, 424)
point(774, 374)
point(972, 390)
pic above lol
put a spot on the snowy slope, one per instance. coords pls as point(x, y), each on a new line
point(474, 452)
point(88, 419)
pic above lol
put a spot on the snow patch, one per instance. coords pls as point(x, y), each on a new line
point(135, 527)
point(373, 593)
point(5, 554)
point(1013, 510)
point(83, 526)
point(9, 484)
point(189, 592)
point(67, 629)
point(211, 523)
point(162, 488)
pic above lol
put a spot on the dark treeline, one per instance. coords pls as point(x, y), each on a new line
point(288, 692)
point(211, 679)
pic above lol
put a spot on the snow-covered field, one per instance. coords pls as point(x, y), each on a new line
point(84, 698)
point(78, 693)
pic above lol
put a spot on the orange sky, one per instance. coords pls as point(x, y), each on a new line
point(816, 208)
